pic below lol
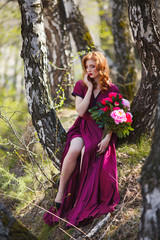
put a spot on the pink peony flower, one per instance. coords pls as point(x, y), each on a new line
point(119, 116)
point(106, 99)
point(129, 117)
point(109, 99)
point(112, 94)
point(105, 109)
point(103, 101)
point(126, 103)
point(116, 108)
point(116, 104)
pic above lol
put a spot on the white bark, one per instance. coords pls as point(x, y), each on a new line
point(50, 132)
point(150, 219)
point(147, 38)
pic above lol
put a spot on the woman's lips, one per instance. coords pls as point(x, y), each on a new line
point(90, 74)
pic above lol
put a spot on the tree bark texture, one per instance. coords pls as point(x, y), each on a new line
point(157, 7)
point(124, 51)
point(78, 28)
point(50, 131)
point(150, 181)
point(11, 229)
point(59, 48)
point(147, 38)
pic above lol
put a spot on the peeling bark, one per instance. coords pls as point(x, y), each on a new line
point(157, 7)
point(124, 51)
point(58, 46)
point(50, 131)
point(78, 28)
point(11, 229)
point(150, 181)
point(147, 38)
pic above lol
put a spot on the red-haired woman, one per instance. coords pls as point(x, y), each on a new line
point(88, 183)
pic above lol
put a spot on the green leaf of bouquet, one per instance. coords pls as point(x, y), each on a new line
point(130, 128)
point(100, 105)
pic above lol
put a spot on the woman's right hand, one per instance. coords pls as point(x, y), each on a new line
point(87, 82)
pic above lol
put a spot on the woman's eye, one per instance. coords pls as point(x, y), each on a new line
point(92, 66)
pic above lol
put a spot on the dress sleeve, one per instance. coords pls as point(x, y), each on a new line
point(78, 89)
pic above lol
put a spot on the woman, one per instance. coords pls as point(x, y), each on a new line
point(88, 183)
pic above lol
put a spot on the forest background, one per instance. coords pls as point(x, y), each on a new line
point(28, 177)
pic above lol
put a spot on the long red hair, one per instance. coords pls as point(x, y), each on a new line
point(102, 68)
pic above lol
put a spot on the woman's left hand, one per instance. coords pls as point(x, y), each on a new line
point(104, 144)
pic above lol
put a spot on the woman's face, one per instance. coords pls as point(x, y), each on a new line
point(91, 68)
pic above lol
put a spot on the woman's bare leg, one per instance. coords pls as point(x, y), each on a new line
point(69, 165)
point(82, 153)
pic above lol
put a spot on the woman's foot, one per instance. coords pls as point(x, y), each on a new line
point(59, 197)
point(57, 205)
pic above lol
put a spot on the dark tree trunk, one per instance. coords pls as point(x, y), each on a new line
point(11, 229)
point(59, 48)
point(147, 38)
point(150, 181)
point(50, 131)
point(124, 51)
point(78, 28)
point(157, 7)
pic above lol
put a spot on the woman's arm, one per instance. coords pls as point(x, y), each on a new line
point(104, 143)
point(83, 103)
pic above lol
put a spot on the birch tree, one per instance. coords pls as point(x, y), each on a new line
point(146, 35)
point(11, 229)
point(157, 7)
point(50, 131)
point(124, 51)
point(150, 181)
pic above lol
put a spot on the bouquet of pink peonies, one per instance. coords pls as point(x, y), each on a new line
point(113, 115)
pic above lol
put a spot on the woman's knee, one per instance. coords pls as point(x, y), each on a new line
point(74, 152)
point(76, 146)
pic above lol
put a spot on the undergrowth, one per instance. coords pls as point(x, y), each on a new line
point(21, 177)
point(124, 222)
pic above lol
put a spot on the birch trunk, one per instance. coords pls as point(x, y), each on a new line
point(78, 28)
point(157, 7)
point(124, 51)
point(147, 38)
point(50, 131)
point(11, 229)
point(150, 181)
point(59, 48)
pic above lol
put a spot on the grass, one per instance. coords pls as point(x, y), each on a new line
point(20, 176)
point(124, 222)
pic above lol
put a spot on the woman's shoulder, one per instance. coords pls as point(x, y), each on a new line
point(80, 83)
point(79, 89)
point(113, 88)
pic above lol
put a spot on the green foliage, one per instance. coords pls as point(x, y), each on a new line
point(106, 36)
point(22, 168)
point(9, 23)
point(45, 232)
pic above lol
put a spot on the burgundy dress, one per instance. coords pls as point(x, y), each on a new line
point(93, 191)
